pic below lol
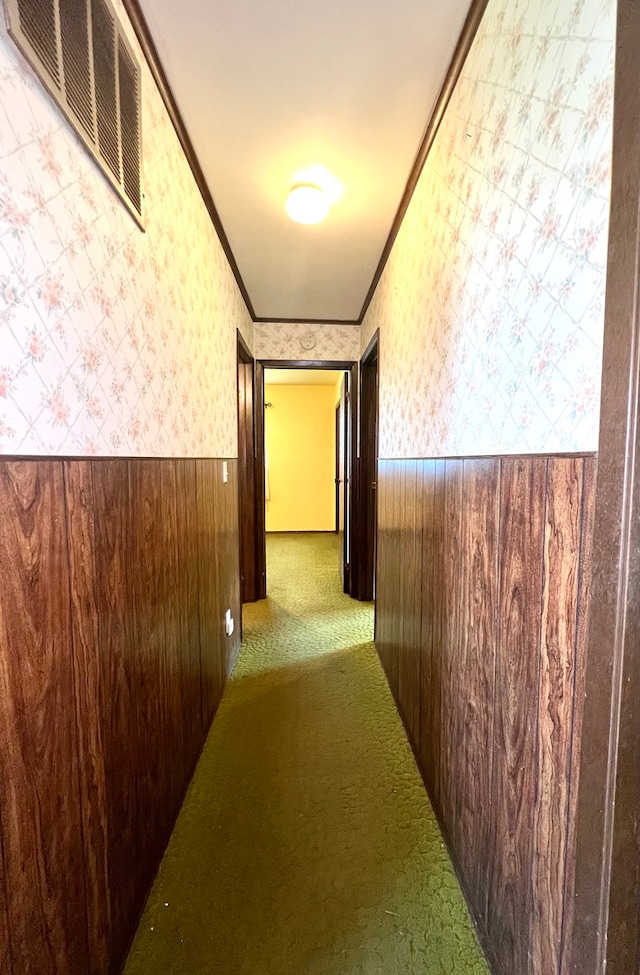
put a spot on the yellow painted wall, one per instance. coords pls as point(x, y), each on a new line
point(300, 442)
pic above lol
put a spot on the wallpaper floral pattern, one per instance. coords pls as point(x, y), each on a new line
point(491, 305)
point(112, 341)
point(294, 341)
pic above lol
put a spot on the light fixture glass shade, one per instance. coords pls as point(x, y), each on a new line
point(320, 176)
point(307, 203)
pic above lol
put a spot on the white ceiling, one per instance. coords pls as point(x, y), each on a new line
point(302, 377)
point(269, 87)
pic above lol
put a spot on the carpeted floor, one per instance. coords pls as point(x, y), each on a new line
point(306, 844)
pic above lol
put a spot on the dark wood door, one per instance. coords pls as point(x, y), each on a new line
point(365, 519)
point(347, 498)
point(245, 466)
point(250, 477)
point(259, 482)
point(341, 482)
point(337, 478)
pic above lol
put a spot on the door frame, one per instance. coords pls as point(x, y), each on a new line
point(342, 365)
point(604, 931)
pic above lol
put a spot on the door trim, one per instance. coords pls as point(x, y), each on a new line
point(606, 922)
point(340, 366)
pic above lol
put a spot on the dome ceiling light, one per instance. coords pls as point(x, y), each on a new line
point(312, 194)
point(307, 203)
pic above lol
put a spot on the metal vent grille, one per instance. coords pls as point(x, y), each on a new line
point(74, 31)
point(130, 125)
point(104, 66)
point(38, 22)
point(79, 52)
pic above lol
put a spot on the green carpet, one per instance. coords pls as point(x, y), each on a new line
point(306, 844)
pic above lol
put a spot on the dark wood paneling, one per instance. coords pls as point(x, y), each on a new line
point(119, 705)
point(437, 656)
point(563, 525)
point(429, 749)
point(409, 661)
point(517, 663)
point(101, 616)
point(475, 724)
point(219, 495)
point(503, 594)
point(150, 656)
point(452, 582)
point(5, 948)
point(40, 795)
point(389, 569)
point(211, 641)
point(382, 615)
point(219, 567)
point(189, 584)
point(89, 709)
point(585, 575)
point(174, 636)
point(228, 567)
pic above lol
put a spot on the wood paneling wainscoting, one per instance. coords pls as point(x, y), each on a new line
point(114, 579)
point(482, 591)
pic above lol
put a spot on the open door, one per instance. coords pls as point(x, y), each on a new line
point(259, 482)
point(365, 524)
point(345, 432)
point(338, 481)
point(250, 477)
point(341, 481)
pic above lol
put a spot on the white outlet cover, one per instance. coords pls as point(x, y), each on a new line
point(229, 624)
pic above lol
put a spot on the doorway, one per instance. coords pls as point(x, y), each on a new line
point(293, 503)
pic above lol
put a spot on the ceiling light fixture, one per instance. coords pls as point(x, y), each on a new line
point(307, 203)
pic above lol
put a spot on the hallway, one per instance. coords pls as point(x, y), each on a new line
point(306, 844)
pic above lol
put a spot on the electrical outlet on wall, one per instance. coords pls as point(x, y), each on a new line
point(229, 624)
point(225, 472)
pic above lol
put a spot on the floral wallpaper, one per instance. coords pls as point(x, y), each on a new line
point(491, 305)
point(299, 341)
point(112, 341)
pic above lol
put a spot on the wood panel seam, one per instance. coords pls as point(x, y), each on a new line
point(585, 517)
point(67, 535)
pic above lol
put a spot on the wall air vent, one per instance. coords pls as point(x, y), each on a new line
point(79, 51)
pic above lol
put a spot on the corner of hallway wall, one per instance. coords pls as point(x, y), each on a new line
point(491, 306)
point(281, 340)
point(112, 341)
